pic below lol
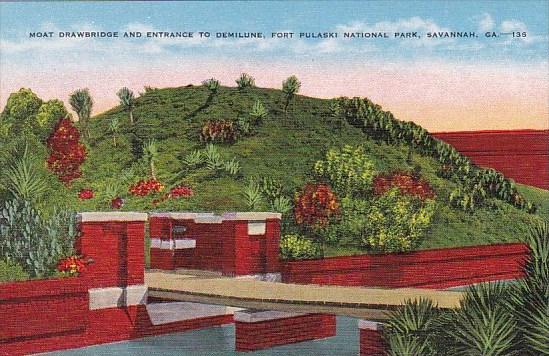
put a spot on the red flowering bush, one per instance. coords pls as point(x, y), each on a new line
point(181, 191)
point(315, 205)
point(146, 187)
point(72, 265)
point(85, 194)
point(117, 203)
point(66, 152)
point(407, 183)
point(218, 131)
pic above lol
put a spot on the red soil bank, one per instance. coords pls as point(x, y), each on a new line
point(282, 331)
point(522, 155)
point(440, 268)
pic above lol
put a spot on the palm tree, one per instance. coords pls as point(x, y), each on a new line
point(114, 128)
point(150, 151)
point(290, 87)
point(82, 103)
point(127, 101)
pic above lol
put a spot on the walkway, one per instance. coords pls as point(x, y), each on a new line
point(210, 288)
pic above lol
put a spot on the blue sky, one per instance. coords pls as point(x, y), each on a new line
point(443, 84)
point(20, 18)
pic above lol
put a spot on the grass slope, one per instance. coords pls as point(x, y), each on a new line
point(285, 147)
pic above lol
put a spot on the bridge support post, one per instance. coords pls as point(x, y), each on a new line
point(256, 330)
point(371, 338)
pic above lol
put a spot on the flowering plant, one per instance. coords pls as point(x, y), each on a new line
point(66, 152)
point(146, 187)
point(181, 191)
point(72, 265)
point(315, 205)
point(85, 193)
point(407, 183)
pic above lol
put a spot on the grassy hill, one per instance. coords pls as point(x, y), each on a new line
point(284, 147)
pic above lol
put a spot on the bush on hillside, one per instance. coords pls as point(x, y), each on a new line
point(348, 170)
point(297, 247)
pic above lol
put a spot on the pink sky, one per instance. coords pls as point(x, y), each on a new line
point(439, 96)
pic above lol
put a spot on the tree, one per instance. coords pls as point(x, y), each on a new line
point(66, 152)
point(127, 101)
point(48, 115)
point(114, 128)
point(150, 154)
point(20, 112)
point(290, 87)
point(82, 103)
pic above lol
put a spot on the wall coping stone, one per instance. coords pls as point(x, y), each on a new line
point(254, 316)
point(180, 216)
point(370, 325)
point(111, 216)
point(251, 216)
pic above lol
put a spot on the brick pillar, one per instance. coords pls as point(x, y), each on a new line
point(272, 245)
point(371, 338)
point(115, 242)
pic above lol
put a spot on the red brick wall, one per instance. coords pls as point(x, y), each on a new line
point(371, 343)
point(440, 268)
point(265, 334)
point(37, 308)
point(522, 155)
point(225, 246)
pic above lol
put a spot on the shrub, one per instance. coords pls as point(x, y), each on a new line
point(181, 191)
point(33, 242)
point(412, 327)
point(252, 195)
point(296, 247)
point(218, 131)
point(11, 272)
point(245, 81)
point(395, 222)
point(72, 265)
point(348, 170)
point(407, 183)
point(66, 152)
point(258, 113)
point(315, 205)
point(146, 187)
point(212, 84)
point(85, 194)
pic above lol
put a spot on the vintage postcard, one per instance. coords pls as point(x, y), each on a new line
point(274, 178)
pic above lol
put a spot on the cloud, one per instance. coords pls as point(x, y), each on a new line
point(485, 22)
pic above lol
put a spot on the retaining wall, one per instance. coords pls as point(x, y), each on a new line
point(522, 155)
point(440, 268)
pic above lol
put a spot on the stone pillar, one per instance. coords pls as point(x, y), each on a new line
point(371, 338)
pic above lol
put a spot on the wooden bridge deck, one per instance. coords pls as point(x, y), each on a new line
point(371, 303)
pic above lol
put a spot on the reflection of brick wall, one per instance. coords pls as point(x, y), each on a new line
point(440, 268)
point(266, 329)
point(234, 244)
point(522, 155)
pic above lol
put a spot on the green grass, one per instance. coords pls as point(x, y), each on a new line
point(284, 147)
